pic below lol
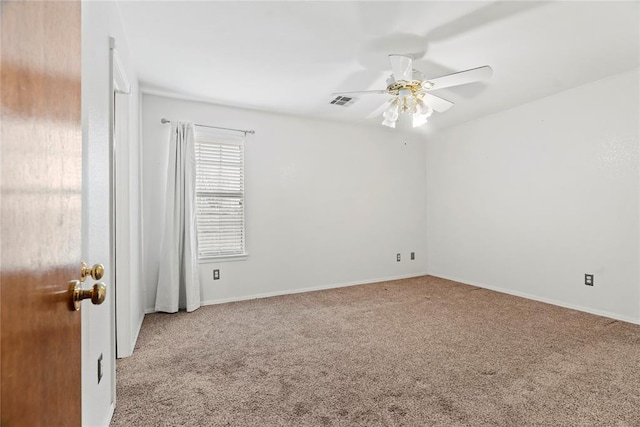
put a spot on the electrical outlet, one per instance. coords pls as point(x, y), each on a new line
point(413, 255)
point(588, 279)
point(398, 257)
point(99, 368)
point(216, 274)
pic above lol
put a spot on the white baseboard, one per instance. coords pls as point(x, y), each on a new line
point(136, 333)
point(302, 290)
point(309, 289)
point(112, 409)
point(551, 301)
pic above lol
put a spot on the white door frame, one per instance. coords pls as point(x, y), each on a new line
point(119, 236)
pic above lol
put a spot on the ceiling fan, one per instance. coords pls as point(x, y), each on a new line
point(411, 91)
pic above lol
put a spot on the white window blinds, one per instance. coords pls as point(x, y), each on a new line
point(219, 194)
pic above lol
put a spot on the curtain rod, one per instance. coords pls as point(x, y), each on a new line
point(251, 131)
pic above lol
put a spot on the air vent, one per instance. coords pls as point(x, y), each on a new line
point(343, 101)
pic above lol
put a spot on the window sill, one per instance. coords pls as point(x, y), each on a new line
point(224, 258)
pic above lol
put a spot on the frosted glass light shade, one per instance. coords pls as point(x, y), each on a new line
point(419, 119)
point(389, 123)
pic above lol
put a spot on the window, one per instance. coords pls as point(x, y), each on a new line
point(219, 194)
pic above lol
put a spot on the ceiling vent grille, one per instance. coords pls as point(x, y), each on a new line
point(343, 101)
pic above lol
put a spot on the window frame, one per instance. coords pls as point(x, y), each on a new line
point(203, 135)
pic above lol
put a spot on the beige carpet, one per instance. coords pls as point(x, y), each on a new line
point(415, 352)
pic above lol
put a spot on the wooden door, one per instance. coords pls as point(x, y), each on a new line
point(41, 202)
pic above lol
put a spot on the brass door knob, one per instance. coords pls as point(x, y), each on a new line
point(96, 272)
point(97, 293)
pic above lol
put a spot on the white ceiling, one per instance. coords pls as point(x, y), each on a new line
point(288, 57)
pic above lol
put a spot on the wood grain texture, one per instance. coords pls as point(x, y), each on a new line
point(41, 191)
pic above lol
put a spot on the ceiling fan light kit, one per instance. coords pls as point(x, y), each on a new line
point(390, 115)
point(407, 103)
point(409, 89)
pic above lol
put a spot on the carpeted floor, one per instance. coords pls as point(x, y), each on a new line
point(415, 352)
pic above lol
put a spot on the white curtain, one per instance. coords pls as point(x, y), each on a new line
point(178, 279)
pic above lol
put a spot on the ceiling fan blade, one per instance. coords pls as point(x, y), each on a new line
point(402, 67)
point(381, 91)
point(378, 111)
point(462, 77)
point(439, 104)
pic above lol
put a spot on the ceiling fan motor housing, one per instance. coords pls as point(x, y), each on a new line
point(417, 84)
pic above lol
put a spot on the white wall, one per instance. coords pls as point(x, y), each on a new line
point(326, 203)
point(100, 20)
point(529, 200)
